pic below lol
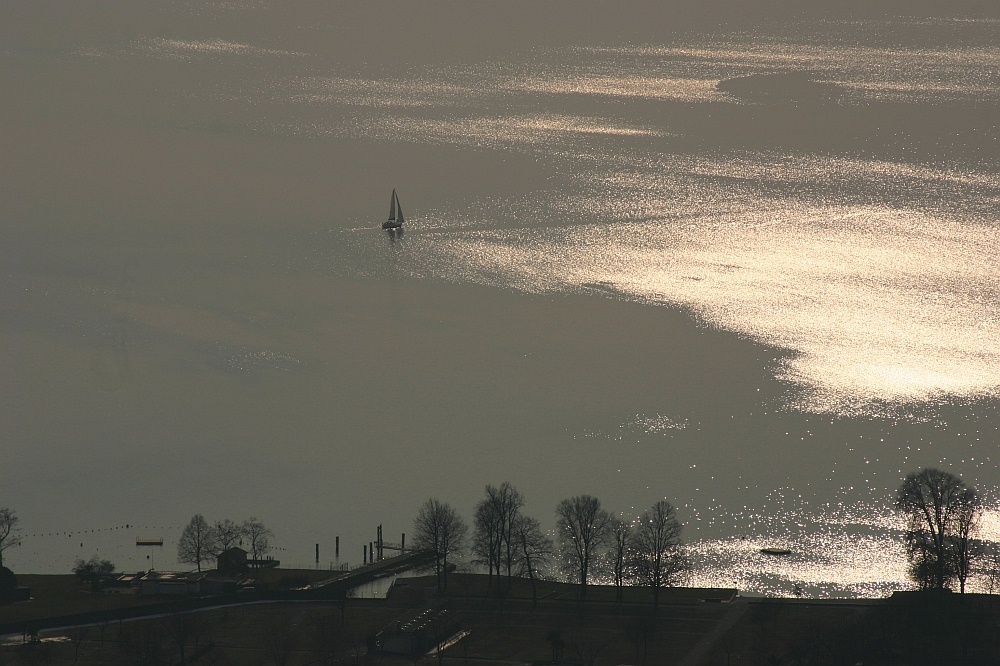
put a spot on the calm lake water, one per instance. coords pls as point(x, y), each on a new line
point(746, 263)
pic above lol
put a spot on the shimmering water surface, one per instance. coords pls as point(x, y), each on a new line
point(750, 270)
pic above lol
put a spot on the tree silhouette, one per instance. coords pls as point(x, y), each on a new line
point(258, 537)
point(8, 531)
point(657, 557)
point(196, 542)
point(620, 536)
point(534, 549)
point(582, 527)
point(943, 514)
point(440, 529)
point(93, 571)
point(495, 517)
point(970, 510)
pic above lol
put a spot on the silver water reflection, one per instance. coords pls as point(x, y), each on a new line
point(881, 305)
point(844, 550)
point(881, 276)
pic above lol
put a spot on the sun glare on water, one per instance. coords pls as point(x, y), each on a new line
point(878, 276)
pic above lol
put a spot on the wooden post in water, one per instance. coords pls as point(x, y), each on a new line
point(317, 555)
point(402, 543)
point(365, 556)
point(336, 551)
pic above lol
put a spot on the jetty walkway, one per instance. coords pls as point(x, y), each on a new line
point(342, 581)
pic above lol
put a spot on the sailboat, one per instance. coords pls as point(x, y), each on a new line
point(395, 220)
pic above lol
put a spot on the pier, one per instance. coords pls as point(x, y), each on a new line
point(341, 581)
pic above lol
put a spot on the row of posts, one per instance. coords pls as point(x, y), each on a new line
point(373, 551)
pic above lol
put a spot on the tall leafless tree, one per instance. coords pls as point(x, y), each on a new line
point(510, 501)
point(258, 538)
point(967, 518)
point(657, 556)
point(495, 517)
point(620, 537)
point(8, 531)
point(196, 542)
point(534, 549)
point(582, 529)
point(939, 508)
point(486, 538)
point(440, 529)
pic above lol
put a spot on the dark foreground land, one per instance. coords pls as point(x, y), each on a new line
point(690, 628)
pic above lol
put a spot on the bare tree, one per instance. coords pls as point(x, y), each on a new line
point(258, 538)
point(620, 536)
point(657, 556)
point(486, 538)
point(970, 511)
point(196, 542)
point(494, 524)
point(227, 534)
point(8, 531)
point(509, 501)
point(582, 527)
point(440, 529)
point(534, 548)
point(940, 509)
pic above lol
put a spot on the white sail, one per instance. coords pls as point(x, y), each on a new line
point(399, 209)
point(392, 207)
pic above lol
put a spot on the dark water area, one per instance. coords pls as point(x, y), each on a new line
point(739, 258)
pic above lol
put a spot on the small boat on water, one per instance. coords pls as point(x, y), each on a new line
point(775, 551)
point(395, 220)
